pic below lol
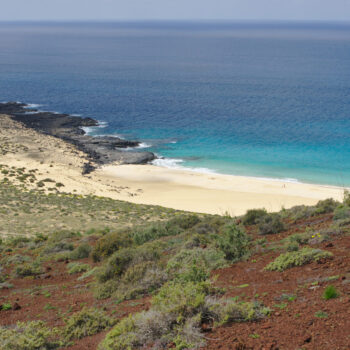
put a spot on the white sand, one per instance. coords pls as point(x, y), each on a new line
point(148, 184)
point(214, 193)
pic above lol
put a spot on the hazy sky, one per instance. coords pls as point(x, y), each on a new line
point(175, 9)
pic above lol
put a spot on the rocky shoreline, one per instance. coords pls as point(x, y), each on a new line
point(100, 149)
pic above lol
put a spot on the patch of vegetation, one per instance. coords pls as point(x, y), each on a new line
point(330, 293)
point(110, 243)
point(86, 322)
point(321, 314)
point(32, 335)
point(270, 224)
point(253, 216)
point(175, 318)
point(234, 242)
point(29, 269)
point(77, 268)
point(298, 258)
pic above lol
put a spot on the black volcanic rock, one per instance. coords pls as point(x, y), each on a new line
point(101, 149)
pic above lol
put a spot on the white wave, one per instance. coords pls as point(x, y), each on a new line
point(32, 105)
point(176, 164)
point(144, 145)
point(100, 125)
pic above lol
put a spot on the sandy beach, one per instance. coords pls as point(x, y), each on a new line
point(149, 184)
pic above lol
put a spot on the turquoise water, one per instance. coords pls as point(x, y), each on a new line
point(266, 100)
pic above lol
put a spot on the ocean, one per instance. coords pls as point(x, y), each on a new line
point(256, 99)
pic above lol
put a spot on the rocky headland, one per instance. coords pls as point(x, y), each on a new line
point(101, 150)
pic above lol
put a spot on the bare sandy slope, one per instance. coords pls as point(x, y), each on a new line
point(148, 184)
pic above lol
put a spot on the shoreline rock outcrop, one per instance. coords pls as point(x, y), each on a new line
point(100, 149)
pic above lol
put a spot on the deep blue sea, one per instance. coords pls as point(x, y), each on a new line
point(259, 99)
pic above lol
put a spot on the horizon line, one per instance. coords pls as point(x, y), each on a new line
point(262, 21)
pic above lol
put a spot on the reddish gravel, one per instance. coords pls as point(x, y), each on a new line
point(292, 324)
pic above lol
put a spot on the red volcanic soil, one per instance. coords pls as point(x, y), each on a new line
point(294, 296)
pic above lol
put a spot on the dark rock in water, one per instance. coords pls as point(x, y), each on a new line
point(101, 149)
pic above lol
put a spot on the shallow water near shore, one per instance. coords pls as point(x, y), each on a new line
point(263, 100)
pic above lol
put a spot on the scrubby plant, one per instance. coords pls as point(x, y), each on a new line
point(86, 322)
point(195, 264)
point(341, 212)
point(326, 206)
point(234, 242)
point(77, 268)
point(110, 243)
point(330, 293)
point(80, 252)
point(298, 258)
point(28, 269)
point(176, 315)
point(33, 335)
point(271, 224)
point(185, 221)
point(228, 310)
point(299, 212)
point(131, 271)
point(253, 216)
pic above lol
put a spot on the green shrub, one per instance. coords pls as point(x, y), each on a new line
point(271, 224)
point(25, 270)
point(77, 268)
point(298, 258)
point(326, 206)
point(181, 299)
point(292, 247)
point(33, 335)
point(6, 306)
point(341, 212)
point(122, 336)
point(119, 262)
point(175, 318)
point(299, 212)
point(110, 243)
point(16, 259)
point(57, 247)
point(185, 222)
point(195, 264)
point(86, 322)
point(227, 311)
point(330, 293)
point(253, 216)
point(80, 252)
point(234, 242)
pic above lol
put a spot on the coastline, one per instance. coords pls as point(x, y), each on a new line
point(182, 189)
point(214, 193)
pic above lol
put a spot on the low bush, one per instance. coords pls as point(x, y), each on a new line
point(29, 269)
point(341, 212)
point(110, 243)
point(271, 224)
point(33, 335)
point(233, 242)
point(77, 268)
point(299, 212)
point(253, 216)
point(330, 293)
point(228, 311)
point(298, 258)
point(80, 252)
point(176, 315)
point(131, 271)
point(86, 322)
point(195, 264)
point(326, 206)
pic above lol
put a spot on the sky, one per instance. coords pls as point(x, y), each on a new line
point(99, 10)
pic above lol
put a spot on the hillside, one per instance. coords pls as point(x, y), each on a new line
point(87, 272)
